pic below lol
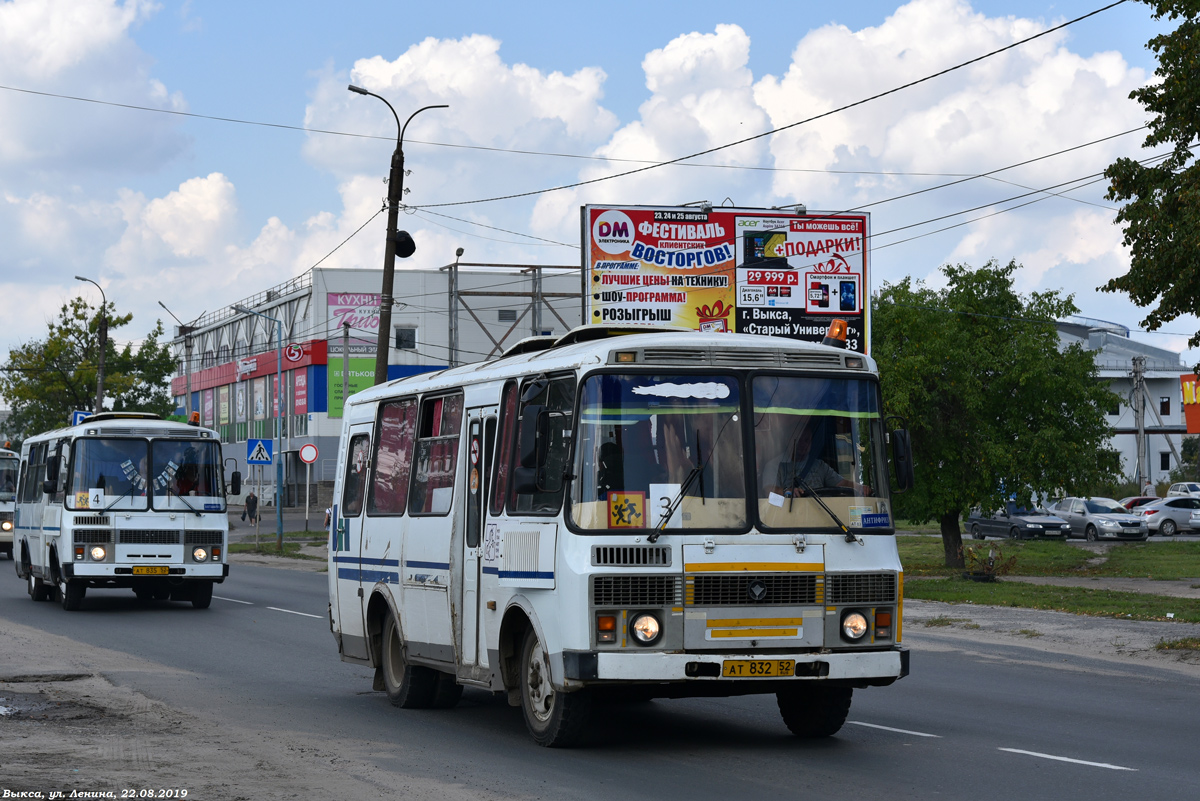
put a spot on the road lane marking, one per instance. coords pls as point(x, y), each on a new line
point(1067, 759)
point(889, 728)
point(290, 612)
point(233, 600)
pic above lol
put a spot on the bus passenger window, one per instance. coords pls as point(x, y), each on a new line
point(436, 461)
point(394, 439)
point(356, 476)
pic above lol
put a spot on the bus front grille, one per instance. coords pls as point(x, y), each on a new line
point(91, 536)
point(93, 520)
point(149, 537)
point(636, 591)
point(788, 589)
point(860, 588)
point(631, 555)
point(203, 537)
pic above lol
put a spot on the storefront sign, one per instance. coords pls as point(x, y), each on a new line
point(300, 392)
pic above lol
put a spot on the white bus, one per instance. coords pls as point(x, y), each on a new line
point(122, 500)
point(659, 514)
point(9, 462)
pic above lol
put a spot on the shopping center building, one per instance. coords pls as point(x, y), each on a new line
point(227, 360)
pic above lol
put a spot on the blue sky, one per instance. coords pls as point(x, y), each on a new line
point(199, 213)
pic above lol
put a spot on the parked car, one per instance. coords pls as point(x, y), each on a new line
point(1101, 519)
point(1168, 516)
point(1017, 522)
point(1135, 501)
point(1186, 489)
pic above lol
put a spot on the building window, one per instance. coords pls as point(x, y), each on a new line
point(1164, 406)
point(1115, 409)
point(507, 315)
point(406, 338)
point(1164, 460)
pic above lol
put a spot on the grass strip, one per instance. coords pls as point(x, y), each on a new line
point(267, 548)
point(1182, 644)
point(924, 556)
point(1076, 600)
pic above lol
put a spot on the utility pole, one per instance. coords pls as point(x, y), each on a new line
point(536, 317)
point(345, 365)
point(103, 343)
point(452, 296)
point(1139, 416)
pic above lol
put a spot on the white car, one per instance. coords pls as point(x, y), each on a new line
point(1186, 489)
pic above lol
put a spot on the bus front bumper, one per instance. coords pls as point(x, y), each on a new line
point(83, 570)
point(867, 667)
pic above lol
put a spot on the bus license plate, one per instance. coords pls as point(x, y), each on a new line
point(151, 571)
point(758, 668)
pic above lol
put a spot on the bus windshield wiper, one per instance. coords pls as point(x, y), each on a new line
point(120, 497)
point(666, 518)
point(850, 536)
point(185, 503)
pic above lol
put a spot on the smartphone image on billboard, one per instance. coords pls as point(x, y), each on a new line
point(818, 294)
point(849, 300)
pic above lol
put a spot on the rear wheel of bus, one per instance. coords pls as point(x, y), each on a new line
point(36, 589)
point(554, 719)
point(814, 711)
point(407, 686)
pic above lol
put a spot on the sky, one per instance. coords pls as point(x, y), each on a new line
point(120, 185)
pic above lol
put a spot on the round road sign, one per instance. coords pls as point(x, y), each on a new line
point(308, 453)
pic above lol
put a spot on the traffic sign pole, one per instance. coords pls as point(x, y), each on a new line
point(308, 455)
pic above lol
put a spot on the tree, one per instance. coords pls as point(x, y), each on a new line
point(46, 380)
point(1162, 217)
point(994, 407)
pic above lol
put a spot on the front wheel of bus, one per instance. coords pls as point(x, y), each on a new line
point(814, 711)
point(202, 594)
point(554, 719)
point(71, 593)
point(407, 686)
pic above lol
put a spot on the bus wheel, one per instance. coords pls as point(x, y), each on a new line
point(447, 693)
point(554, 719)
point(814, 711)
point(72, 593)
point(202, 594)
point(37, 590)
point(407, 686)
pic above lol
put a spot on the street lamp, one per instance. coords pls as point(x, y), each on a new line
point(278, 455)
point(103, 343)
point(397, 241)
point(186, 332)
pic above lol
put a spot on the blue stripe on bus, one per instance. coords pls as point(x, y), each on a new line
point(524, 574)
point(360, 575)
point(39, 528)
point(429, 565)
point(491, 570)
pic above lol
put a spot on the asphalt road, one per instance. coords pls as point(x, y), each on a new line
point(973, 721)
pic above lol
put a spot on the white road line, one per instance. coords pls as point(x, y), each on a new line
point(889, 728)
point(233, 600)
point(1067, 759)
point(290, 612)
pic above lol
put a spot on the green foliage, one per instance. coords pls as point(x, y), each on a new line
point(46, 380)
point(993, 405)
point(923, 556)
point(1077, 600)
point(987, 558)
point(1162, 215)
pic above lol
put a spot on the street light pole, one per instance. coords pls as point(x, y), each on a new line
point(278, 455)
point(394, 238)
point(186, 332)
point(103, 343)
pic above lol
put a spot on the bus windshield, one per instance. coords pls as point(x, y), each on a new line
point(8, 478)
point(185, 475)
point(108, 473)
point(824, 437)
point(659, 446)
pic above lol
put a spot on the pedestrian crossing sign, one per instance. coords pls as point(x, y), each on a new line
point(258, 451)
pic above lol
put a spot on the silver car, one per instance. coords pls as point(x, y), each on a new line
point(1169, 515)
point(1101, 519)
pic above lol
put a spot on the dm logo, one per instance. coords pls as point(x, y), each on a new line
point(612, 232)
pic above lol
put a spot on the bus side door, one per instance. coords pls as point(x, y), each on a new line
point(347, 541)
point(481, 435)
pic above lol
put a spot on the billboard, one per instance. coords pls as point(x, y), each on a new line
point(1191, 403)
point(755, 271)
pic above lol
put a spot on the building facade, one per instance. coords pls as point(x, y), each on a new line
point(227, 361)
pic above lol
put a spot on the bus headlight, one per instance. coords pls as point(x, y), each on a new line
point(6, 525)
point(645, 628)
point(200, 555)
point(854, 626)
point(97, 553)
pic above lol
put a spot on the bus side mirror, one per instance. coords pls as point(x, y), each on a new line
point(50, 484)
point(235, 483)
point(902, 459)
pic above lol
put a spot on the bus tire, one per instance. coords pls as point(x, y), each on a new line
point(201, 594)
point(447, 693)
point(814, 711)
point(71, 592)
point(554, 719)
point(36, 589)
point(407, 686)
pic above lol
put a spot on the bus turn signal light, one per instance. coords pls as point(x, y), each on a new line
point(606, 628)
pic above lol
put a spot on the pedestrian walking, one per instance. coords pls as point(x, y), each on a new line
point(251, 509)
point(328, 515)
